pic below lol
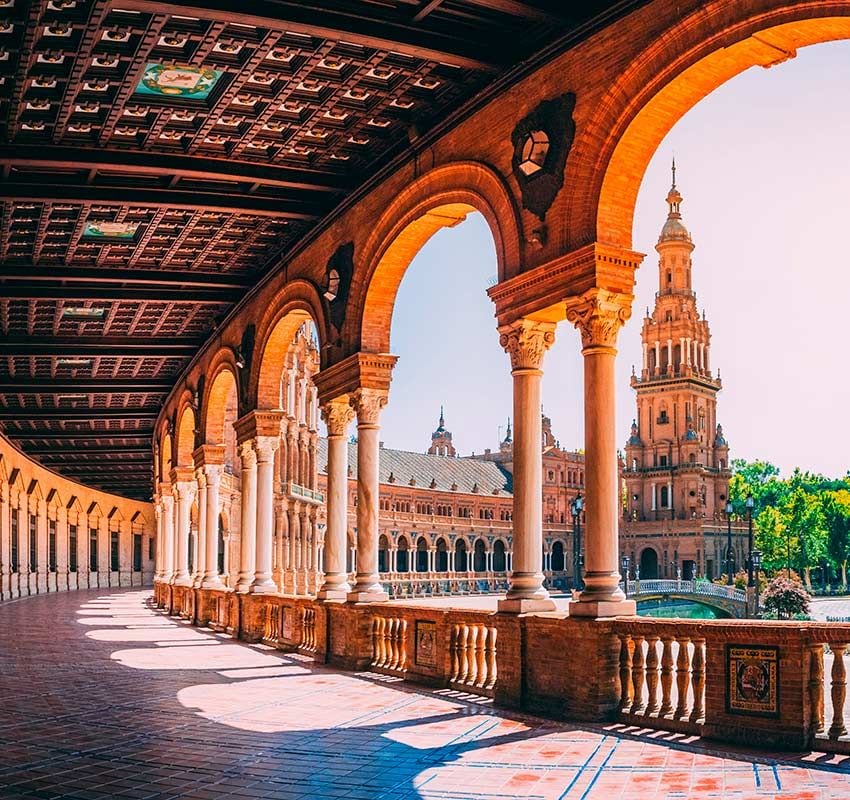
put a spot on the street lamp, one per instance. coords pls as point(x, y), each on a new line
point(729, 579)
point(750, 505)
point(626, 575)
point(755, 560)
point(576, 507)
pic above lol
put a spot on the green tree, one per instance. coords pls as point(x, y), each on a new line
point(804, 521)
point(770, 538)
point(836, 513)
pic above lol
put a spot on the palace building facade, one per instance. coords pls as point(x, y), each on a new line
point(677, 468)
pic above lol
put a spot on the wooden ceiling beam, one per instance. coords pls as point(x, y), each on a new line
point(77, 412)
point(92, 449)
point(392, 32)
point(82, 435)
point(47, 273)
point(166, 164)
point(86, 385)
point(129, 346)
point(45, 290)
point(223, 202)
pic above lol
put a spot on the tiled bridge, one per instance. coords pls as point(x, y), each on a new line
point(103, 697)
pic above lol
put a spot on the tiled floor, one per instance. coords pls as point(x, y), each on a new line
point(101, 697)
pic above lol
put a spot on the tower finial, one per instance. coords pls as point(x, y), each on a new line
point(674, 171)
point(442, 421)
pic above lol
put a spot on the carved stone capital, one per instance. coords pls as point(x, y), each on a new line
point(337, 415)
point(185, 491)
point(213, 473)
point(265, 447)
point(526, 342)
point(599, 314)
point(368, 404)
point(248, 454)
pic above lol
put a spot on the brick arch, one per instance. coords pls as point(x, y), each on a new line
point(438, 199)
point(185, 436)
point(165, 464)
point(298, 302)
point(220, 396)
point(685, 64)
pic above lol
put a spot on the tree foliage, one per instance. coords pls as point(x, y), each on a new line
point(785, 598)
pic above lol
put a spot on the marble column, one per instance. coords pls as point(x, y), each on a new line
point(200, 552)
point(211, 578)
point(167, 502)
point(158, 566)
point(526, 343)
point(248, 525)
point(599, 315)
point(368, 404)
point(185, 491)
point(265, 447)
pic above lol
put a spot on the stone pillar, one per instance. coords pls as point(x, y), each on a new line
point(526, 343)
point(248, 532)
point(185, 491)
point(292, 524)
point(158, 566)
point(599, 314)
point(368, 404)
point(199, 565)
point(62, 580)
point(265, 447)
point(211, 579)
point(167, 534)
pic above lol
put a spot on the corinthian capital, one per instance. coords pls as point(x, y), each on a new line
point(265, 447)
point(526, 342)
point(599, 314)
point(337, 415)
point(368, 404)
point(248, 454)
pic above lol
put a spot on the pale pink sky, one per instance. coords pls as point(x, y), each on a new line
point(763, 168)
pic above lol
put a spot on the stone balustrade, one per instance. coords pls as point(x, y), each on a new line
point(771, 684)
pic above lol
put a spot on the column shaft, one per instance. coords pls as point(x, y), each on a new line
point(248, 517)
point(263, 583)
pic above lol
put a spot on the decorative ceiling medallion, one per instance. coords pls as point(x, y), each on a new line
point(542, 142)
point(175, 81)
point(110, 231)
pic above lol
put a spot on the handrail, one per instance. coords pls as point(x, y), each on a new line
point(698, 588)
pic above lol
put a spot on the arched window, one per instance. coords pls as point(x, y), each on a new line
point(557, 556)
point(402, 561)
point(479, 556)
point(665, 497)
point(383, 552)
point(500, 561)
point(442, 560)
point(461, 560)
point(422, 555)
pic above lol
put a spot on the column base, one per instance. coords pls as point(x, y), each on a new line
point(596, 609)
point(187, 581)
point(525, 605)
point(369, 596)
point(264, 587)
point(333, 595)
point(212, 583)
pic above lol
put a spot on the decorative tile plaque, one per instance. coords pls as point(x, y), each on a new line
point(752, 680)
point(426, 643)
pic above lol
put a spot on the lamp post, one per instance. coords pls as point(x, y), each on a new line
point(729, 579)
point(626, 575)
point(576, 508)
point(755, 560)
point(750, 505)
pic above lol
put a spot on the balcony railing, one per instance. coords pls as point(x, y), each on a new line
point(303, 493)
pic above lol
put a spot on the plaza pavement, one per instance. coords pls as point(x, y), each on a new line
point(103, 697)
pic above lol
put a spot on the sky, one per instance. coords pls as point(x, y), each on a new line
point(762, 165)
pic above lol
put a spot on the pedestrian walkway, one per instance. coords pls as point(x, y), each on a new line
point(103, 697)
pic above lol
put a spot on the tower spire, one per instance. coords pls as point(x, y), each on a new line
point(674, 172)
point(442, 421)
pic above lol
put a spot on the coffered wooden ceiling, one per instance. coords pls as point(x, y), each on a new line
point(158, 158)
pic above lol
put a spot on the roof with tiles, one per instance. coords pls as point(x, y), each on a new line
point(440, 473)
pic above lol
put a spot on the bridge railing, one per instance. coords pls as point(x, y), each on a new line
point(697, 588)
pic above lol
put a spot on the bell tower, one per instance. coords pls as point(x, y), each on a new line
point(441, 440)
point(677, 461)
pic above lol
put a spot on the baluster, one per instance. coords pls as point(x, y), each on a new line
point(492, 669)
point(683, 677)
point(666, 676)
point(626, 694)
point(839, 691)
point(375, 638)
point(652, 675)
point(698, 680)
point(402, 644)
point(472, 648)
point(380, 649)
point(638, 675)
point(463, 649)
point(455, 651)
point(816, 687)
point(392, 663)
point(481, 657)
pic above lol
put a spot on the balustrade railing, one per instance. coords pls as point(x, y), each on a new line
point(662, 674)
point(308, 629)
point(389, 643)
point(671, 586)
point(473, 657)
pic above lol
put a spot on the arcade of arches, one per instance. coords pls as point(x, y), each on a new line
point(312, 232)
